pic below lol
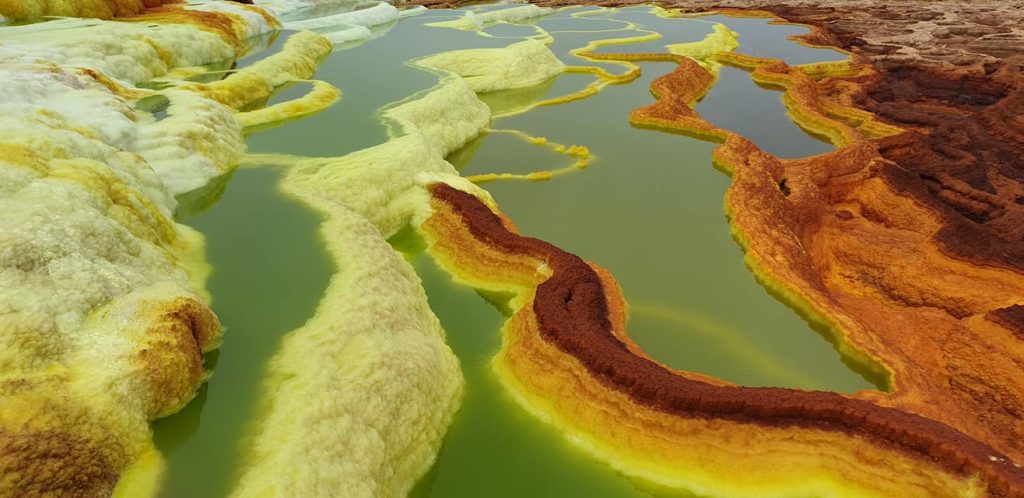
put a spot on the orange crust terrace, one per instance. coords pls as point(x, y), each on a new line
point(843, 238)
point(837, 237)
point(566, 353)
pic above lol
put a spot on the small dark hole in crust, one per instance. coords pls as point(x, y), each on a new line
point(784, 188)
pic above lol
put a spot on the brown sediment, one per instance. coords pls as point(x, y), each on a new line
point(1011, 317)
point(836, 237)
point(947, 72)
point(573, 310)
point(905, 242)
point(180, 332)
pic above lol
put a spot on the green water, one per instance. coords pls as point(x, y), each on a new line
point(269, 271)
point(760, 38)
point(370, 76)
point(494, 448)
point(671, 30)
point(648, 208)
point(746, 116)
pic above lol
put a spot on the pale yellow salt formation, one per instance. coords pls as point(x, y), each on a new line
point(297, 60)
point(321, 96)
point(200, 138)
point(103, 9)
point(525, 64)
point(472, 21)
point(357, 400)
point(103, 315)
point(721, 39)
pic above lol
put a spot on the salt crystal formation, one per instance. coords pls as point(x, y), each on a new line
point(104, 317)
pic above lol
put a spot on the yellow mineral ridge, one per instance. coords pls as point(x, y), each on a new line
point(103, 314)
point(357, 401)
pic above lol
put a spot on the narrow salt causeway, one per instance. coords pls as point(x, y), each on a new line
point(346, 248)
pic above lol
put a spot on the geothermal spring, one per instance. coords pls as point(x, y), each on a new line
point(334, 248)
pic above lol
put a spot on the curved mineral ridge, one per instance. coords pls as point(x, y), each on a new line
point(886, 239)
point(567, 355)
point(87, 369)
point(906, 240)
point(358, 399)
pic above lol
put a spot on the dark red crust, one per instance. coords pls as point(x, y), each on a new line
point(572, 313)
point(961, 94)
point(1011, 317)
point(968, 134)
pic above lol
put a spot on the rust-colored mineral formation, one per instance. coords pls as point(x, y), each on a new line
point(906, 241)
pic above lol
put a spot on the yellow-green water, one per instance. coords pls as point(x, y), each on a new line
point(649, 208)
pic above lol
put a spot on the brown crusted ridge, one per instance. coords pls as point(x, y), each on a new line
point(843, 243)
point(572, 312)
point(862, 240)
point(1011, 317)
point(950, 73)
point(964, 154)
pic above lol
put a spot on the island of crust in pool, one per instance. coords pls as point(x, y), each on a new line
point(904, 243)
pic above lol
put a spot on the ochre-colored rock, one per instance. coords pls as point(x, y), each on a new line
point(905, 241)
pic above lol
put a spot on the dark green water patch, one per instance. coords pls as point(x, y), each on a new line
point(154, 104)
point(269, 44)
point(738, 104)
point(649, 208)
point(270, 269)
point(289, 91)
point(761, 38)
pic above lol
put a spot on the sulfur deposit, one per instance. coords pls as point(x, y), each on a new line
point(903, 242)
point(374, 346)
point(104, 312)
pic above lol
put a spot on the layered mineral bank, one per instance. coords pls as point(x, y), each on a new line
point(905, 242)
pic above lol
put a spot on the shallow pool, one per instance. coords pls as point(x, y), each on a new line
point(648, 207)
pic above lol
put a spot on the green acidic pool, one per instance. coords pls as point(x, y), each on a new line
point(649, 208)
point(269, 271)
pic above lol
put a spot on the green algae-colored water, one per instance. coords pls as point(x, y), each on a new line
point(649, 208)
point(270, 270)
point(494, 448)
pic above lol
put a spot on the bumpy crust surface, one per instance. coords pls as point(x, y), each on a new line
point(899, 240)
